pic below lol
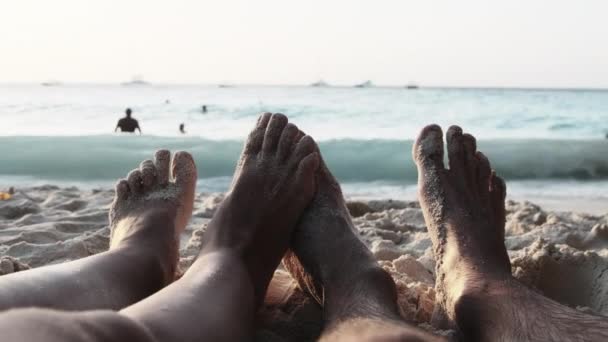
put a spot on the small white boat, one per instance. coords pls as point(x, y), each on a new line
point(320, 83)
point(50, 83)
point(136, 81)
point(366, 84)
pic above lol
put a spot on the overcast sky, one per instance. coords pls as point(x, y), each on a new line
point(531, 43)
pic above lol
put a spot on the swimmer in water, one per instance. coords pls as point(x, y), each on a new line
point(128, 124)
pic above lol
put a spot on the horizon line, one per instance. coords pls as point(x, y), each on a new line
point(329, 85)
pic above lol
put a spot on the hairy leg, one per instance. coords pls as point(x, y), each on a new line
point(217, 297)
point(329, 261)
point(465, 214)
point(147, 216)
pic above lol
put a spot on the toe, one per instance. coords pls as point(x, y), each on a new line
point(498, 189)
point(498, 192)
point(287, 142)
point(483, 175)
point(306, 172)
point(428, 149)
point(122, 189)
point(135, 181)
point(455, 150)
point(299, 137)
point(184, 171)
point(256, 137)
point(162, 161)
point(273, 133)
point(470, 159)
point(148, 174)
point(305, 146)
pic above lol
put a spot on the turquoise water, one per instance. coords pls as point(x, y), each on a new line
point(534, 138)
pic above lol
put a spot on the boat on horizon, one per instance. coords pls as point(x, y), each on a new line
point(50, 83)
point(412, 86)
point(136, 81)
point(319, 83)
point(366, 84)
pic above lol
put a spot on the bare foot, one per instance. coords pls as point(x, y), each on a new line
point(160, 192)
point(465, 215)
point(332, 264)
point(273, 183)
point(328, 260)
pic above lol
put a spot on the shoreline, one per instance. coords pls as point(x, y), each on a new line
point(48, 224)
point(586, 197)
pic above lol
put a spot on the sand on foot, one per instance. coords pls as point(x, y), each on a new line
point(563, 255)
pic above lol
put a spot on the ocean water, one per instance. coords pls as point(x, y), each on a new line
point(545, 143)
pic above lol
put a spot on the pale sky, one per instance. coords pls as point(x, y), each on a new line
point(524, 43)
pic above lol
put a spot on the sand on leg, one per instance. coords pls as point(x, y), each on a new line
point(465, 214)
point(148, 213)
point(217, 297)
point(329, 261)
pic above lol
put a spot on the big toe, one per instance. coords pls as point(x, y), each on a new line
point(256, 137)
point(184, 172)
point(428, 149)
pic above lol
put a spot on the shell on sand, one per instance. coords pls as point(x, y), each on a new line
point(563, 255)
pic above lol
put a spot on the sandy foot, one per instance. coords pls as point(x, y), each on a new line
point(157, 190)
point(273, 184)
point(46, 225)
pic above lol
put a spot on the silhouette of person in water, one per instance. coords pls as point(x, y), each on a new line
point(127, 124)
point(204, 109)
point(181, 128)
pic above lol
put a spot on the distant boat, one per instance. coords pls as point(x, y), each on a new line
point(224, 85)
point(412, 86)
point(51, 84)
point(366, 84)
point(320, 83)
point(136, 81)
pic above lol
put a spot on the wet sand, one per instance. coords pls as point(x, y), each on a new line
point(563, 255)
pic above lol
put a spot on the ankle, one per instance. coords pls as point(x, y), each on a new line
point(149, 227)
point(150, 238)
point(159, 268)
point(368, 292)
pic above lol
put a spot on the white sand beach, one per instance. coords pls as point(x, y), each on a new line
point(563, 255)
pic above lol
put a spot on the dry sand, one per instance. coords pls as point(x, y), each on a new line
point(563, 255)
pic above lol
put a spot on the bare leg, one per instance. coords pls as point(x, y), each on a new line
point(35, 325)
point(359, 298)
point(465, 214)
point(147, 216)
point(244, 243)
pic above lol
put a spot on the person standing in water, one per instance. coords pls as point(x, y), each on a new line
point(127, 124)
point(204, 109)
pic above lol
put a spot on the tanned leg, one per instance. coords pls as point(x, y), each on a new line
point(146, 218)
point(217, 297)
point(465, 214)
point(359, 298)
point(149, 212)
